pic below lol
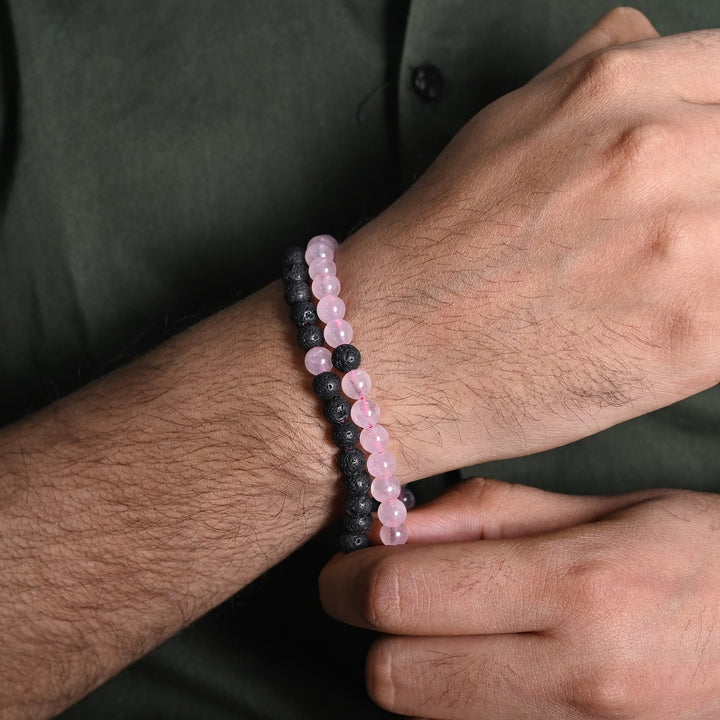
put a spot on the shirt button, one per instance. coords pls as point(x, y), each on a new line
point(427, 81)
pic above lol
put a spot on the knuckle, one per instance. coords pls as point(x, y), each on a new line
point(641, 149)
point(668, 241)
point(608, 73)
point(680, 320)
point(382, 602)
point(688, 335)
point(607, 693)
point(596, 587)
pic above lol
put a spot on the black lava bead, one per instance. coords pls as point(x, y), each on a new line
point(349, 542)
point(326, 385)
point(358, 505)
point(358, 524)
point(357, 484)
point(293, 256)
point(303, 313)
point(346, 358)
point(310, 336)
point(295, 273)
point(337, 409)
point(297, 292)
point(346, 435)
point(352, 461)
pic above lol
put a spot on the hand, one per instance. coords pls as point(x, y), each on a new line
point(557, 270)
point(542, 606)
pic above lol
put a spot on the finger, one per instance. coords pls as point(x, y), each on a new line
point(684, 66)
point(618, 27)
point(480, 587)
point(502, 677)
point(490, 509)
point(488, 587)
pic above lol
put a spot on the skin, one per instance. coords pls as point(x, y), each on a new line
point(529, 604)
point(563, 256)
point(557, 272)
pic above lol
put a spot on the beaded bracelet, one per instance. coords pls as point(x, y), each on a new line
point(360, 474)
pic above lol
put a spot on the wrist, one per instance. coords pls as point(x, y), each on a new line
point(287, 470)
point(406, 336)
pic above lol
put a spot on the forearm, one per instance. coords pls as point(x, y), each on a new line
point(134, 506)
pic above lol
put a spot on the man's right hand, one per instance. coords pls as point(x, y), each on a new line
point(557, 269)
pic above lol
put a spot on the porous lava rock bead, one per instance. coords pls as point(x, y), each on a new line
point(293, 256)
point(296, 292)
point(326, 385)
point(310, 336)
point(357, 484)
point(296, 273)
point(337, 409)
point(358, 505)
point(358, 524)
point(346, 358)
point(346, 435)
point(352, 462)
point(349, 542)
point(303, 313)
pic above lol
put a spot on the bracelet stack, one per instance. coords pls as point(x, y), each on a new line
point(312, 272)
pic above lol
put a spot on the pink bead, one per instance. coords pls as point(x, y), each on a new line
point(373, 439)
point(319, 250)
point(321, 266)
point(392, 513)
point(330, 308)
point(338, 332)
point(328, 240)
point(393, 536)
point(381, 464)
point(318, 359)
point(356, 384)
point(324, 285)
point(385, 489)
point(365, 413)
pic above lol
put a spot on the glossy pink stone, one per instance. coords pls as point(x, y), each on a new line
point(328, 240)
point(392, 513)
point(373, 439)
point(383, 489)
point(319, 250)
point(318, 359)
point(330, 308)
point(338, 332)
point(381, 464)
point(356, 384)
point(365, 413)
point(393, 535)
point(321, 266)
point(324, 285)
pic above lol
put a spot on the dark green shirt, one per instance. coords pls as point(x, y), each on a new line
point(156, 159)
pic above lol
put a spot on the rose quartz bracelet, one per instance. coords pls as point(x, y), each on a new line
point(356, 384)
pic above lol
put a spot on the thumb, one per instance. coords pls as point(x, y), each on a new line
point(618, 27)
point(480, 508)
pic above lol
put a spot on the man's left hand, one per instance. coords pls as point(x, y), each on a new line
point(530, 604)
